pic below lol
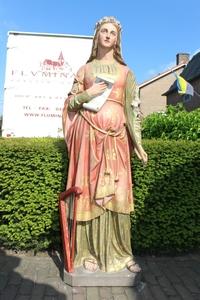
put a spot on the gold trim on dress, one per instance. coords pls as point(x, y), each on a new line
point(117, 101)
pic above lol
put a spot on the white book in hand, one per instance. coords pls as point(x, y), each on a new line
point(97, 102)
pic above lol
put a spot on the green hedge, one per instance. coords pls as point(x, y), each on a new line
point(167, 195)
point(176, 123)
point(33, 173)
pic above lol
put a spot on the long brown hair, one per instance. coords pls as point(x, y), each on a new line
point(117, 49)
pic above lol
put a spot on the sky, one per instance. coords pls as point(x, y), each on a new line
point(154, 31)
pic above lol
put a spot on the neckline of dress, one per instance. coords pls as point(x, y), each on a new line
point(105, 62)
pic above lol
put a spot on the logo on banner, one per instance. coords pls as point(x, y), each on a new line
point(49, 69)
point(56, 65)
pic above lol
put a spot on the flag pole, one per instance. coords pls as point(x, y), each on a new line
point(196, 93)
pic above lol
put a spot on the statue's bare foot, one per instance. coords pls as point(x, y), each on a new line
point(90, 264)
point(133, 267)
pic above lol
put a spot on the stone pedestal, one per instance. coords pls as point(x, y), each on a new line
point(82, 277)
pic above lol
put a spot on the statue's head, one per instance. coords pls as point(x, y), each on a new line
point(117, 48)
point(104, 20)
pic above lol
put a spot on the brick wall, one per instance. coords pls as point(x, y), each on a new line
point(151, 93)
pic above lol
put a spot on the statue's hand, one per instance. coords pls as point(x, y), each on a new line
point(96, 89)
point(142, 155)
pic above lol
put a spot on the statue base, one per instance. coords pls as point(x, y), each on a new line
point(82, 277)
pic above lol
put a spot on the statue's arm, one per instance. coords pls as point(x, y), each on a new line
point(132, 109)
point(133, 116)
point(77, 95)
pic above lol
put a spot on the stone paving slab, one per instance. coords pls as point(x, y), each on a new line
point(24, 276)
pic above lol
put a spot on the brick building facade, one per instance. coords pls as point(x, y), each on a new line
point(191, 74)
point(151, 91)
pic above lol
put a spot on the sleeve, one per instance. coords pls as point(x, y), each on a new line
point(132, 109)
point(77, 99)
point(78, 95)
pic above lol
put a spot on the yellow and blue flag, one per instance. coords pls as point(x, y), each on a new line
point(184, 87)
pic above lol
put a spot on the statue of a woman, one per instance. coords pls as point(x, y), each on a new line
point(99, 146)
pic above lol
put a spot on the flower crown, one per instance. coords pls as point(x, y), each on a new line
point(108, 20)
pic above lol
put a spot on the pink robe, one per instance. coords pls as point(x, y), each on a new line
point(99, 153)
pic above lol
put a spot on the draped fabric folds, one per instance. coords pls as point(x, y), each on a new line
point(106, 239)
point(99, 152)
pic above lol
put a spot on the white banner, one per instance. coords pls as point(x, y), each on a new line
point(40, 70)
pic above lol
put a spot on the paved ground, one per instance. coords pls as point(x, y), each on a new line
point(29, 277)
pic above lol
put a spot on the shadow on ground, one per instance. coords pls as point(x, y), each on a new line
point(34, 283)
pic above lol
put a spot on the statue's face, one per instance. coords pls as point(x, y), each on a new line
point(107, 37)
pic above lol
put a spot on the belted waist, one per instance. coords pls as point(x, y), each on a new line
point(108, 132)
point(114, 100)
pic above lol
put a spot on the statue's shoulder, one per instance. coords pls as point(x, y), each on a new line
point(125, 69)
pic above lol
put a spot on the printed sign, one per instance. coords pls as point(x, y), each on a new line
point(40, 70)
